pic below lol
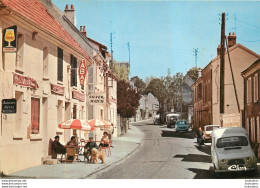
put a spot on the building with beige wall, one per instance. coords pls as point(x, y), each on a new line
point(42, 77)
point(240, 58)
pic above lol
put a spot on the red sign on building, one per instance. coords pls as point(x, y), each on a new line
point(78, 95)
point(25, 81)
point(82, 71)
point(57, 89)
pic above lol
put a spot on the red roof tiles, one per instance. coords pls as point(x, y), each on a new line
point(38, 14)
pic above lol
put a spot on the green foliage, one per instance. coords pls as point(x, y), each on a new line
point(157, 88)
point(139, 84)
point(193, 73)
point(121, 71)
point(127, 99)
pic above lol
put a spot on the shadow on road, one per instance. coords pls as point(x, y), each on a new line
point(202, 173)
point(194, 158)
point(189, 135)
point(204, 149)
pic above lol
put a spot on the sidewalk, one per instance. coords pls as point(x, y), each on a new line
point(122, 147)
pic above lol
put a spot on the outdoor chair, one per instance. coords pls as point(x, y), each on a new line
point(108, 148)
point(71, 152)
point(55, 153)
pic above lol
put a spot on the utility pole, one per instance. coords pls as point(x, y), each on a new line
point(128, 45)
point(222, 64)
point(111, 64)
point(195, 50)
point(111, 45)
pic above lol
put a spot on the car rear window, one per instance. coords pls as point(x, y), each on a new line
point(211, 128)
point(181, 122)
point(232, 141)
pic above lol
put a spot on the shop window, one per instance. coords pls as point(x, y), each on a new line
point(60, 64)
point(35, 116)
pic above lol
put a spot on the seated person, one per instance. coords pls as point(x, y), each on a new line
point(57, 147)
point(88, 148)
point(104, 140)
point(72, 142)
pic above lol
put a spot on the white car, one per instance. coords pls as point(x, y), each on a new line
point(231, 150)
point(208, 131)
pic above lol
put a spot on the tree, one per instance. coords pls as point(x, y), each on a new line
point(121, 71)
point(193, 73)
point(127, 99)
point(139, 84)
point(147, 80)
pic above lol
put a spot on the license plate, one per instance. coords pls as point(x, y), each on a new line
point(236, 167)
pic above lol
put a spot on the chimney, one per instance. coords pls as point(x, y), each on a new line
point(199, 73)
point(83, 31)
point(232, 39)
point(70, 13)
point(218, 50)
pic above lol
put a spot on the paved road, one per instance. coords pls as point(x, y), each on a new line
point(168, 156)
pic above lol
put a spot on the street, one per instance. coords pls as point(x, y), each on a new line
point(168, 156)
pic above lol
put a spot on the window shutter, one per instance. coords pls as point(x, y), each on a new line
point(60, 64)
point(75, 73)
point(35, 115)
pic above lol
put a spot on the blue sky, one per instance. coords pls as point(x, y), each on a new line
point(163, 34)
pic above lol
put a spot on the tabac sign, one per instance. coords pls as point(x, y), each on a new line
point(82, 71)
point(96, 98)
point(9, 106)
point(9, 39)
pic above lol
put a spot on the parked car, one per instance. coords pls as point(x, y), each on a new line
point(171, 120)
point(208, 131)
point(231, 151)
point(181, 125)
point(156, 119)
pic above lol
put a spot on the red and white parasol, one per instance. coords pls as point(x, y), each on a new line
point(75, 124)
point(98, 123)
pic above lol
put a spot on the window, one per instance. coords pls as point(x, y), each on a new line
point(35, 115)
point(258, 129)
point(200, 91)
point(18, 115)
point(73, 63)
point(20, 51)
point(45, 62)
point(249, 90)
point(252, 135)
point(256, 87)
point(60, 64)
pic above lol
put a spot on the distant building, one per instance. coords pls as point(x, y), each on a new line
point(149, 105)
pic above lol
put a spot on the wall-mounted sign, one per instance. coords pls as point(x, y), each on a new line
point(79, 96)
point(82, 71)
point(57, 89)
point(9, 106)
point(25, 81)
point(96, 98)
point(10, 39)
